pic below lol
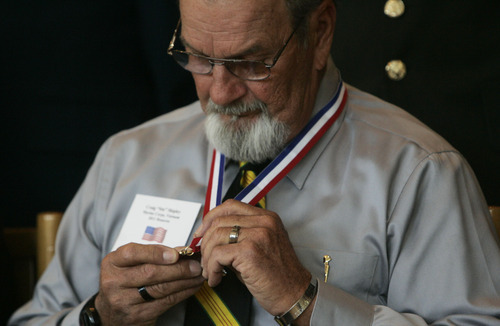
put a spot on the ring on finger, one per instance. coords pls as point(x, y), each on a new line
point(234, 234)
point(145, 294)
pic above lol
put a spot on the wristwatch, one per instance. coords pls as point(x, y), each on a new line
point(300, 306)
point(89, 315)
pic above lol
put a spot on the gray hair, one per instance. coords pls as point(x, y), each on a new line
point(299, 11)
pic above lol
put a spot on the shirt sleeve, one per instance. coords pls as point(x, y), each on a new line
point(443, 256)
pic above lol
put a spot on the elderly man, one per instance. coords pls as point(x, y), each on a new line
point(363, 215)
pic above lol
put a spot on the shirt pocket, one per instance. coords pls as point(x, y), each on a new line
point(352, 272)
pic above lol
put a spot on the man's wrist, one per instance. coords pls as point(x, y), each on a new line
point(89, 315)
point(300, 306)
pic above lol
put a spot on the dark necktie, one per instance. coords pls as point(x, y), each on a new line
point(232, 293)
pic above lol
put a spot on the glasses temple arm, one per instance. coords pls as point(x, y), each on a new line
point(174, 37)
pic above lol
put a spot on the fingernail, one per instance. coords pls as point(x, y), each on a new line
point(168, 256)
point(194, 267)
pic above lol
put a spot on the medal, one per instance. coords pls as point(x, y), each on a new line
point(278, 168)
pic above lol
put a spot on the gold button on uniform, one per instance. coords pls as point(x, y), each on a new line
point(394, 8)
point(396, 69)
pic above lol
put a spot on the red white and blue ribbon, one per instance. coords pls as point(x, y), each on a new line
point(280, 166)
point(214, 189)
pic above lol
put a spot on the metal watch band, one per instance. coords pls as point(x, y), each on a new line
point(89, 315)
point(298, 308)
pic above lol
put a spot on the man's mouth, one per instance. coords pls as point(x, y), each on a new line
point(243, 115)
point(247, 114)
point(237, 111)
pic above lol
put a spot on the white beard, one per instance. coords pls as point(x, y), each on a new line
point(255, 141)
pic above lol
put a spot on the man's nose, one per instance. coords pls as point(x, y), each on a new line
point(226, 87)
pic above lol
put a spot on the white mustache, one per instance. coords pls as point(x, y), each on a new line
point(239, 108)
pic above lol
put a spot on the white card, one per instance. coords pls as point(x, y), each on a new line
point(157, 220)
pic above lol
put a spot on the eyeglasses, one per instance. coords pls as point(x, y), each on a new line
point(245, 69)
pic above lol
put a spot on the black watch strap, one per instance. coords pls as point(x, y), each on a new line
point(89, 315)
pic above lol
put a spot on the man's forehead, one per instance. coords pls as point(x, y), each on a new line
point(230, 2)
point(233, 27)
point(234, 11)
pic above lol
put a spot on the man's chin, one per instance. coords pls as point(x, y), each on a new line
point(252, 138)
point(236, 124)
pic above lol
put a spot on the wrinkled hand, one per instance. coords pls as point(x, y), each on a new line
point(167, 278)
point(263, 257)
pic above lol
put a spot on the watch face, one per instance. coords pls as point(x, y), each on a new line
point(89, 315)
point(84, 319)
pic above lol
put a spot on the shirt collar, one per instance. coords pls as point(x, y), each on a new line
point(329, 84)
point(298, 175)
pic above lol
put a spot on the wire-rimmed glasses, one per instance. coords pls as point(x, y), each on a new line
point(252, 70)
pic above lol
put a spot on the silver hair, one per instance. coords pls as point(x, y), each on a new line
point(299, 11)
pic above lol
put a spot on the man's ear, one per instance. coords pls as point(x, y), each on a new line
point(322, 26)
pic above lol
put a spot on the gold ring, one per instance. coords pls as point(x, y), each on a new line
point(235, 233)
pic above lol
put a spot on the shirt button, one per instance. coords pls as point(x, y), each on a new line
point(394, 8)
point(396, 69)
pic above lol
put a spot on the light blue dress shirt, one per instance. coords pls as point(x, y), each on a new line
point(396, 207)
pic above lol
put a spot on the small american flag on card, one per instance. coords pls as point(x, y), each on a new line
point(154, 234)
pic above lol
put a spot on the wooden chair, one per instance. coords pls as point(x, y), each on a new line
point(29, 251)
point(495, 214)
point(46, 231)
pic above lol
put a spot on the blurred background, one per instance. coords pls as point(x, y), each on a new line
point(439, 60)
point(72, 73)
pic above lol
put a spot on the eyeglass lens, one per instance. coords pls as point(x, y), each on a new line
point(249, 70)
point(193, 63)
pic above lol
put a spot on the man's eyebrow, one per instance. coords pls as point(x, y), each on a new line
point(187, 45)
point(250, 51)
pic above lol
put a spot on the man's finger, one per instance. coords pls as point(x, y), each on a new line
point(149, 274)
point(230, 207)
point(134, 254)
point(165, 289)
